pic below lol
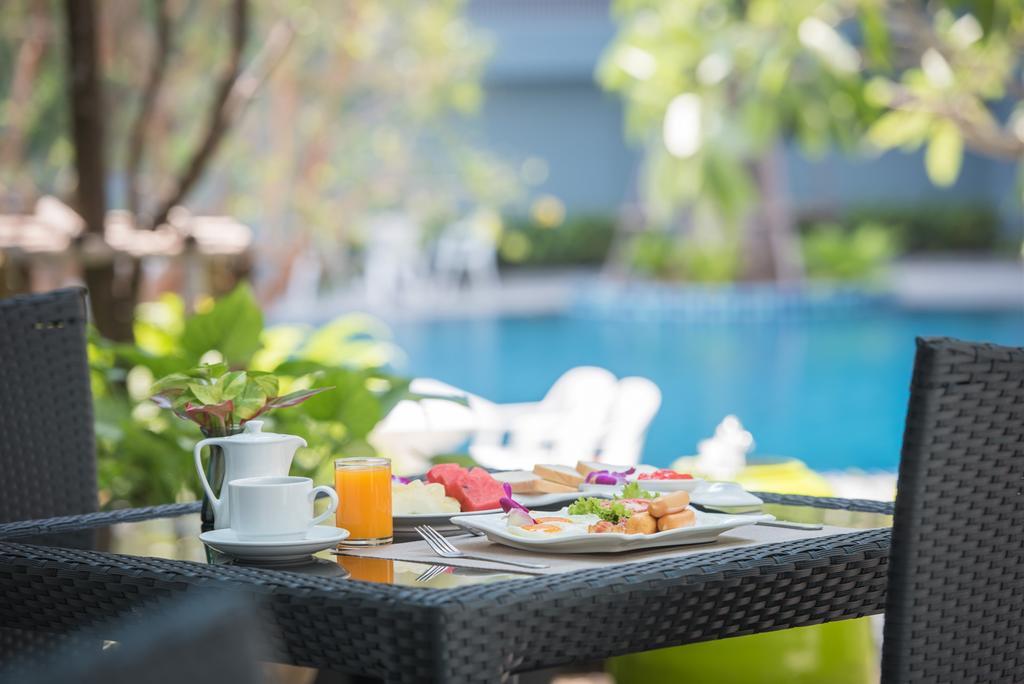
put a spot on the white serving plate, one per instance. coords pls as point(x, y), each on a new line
point(407, 522)
point(709, 526)
point(724, 495)
point(318, 538)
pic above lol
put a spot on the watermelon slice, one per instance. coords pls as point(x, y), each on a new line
point(480, 491)
point(475, 489)
point(448, 475)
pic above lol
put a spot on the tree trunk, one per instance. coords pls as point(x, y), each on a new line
point(112, 294)
point(772, 245)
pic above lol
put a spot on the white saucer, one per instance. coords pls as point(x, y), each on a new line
point(318, 538)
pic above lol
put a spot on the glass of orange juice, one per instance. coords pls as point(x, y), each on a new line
point(364, 493)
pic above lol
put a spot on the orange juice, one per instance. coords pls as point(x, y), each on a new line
point(364, 493)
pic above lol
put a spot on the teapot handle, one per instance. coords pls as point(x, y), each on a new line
point(199, 468)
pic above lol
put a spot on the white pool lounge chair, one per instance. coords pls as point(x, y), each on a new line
point(564, 427)
point(416, 430)
point(637, 401)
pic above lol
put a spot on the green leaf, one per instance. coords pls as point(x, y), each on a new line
point(209, 395)
point(232, 327)
point(209, 371)
point(300, 367)
point(633, 490)
point(174, 382)
point(231, 384)
point(900, 128)
point(876, 35)
point(266, 382)
point(296, 398)
point(250, 402)
point(341, 340)
point(945, 153)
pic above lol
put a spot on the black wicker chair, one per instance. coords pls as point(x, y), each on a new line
point(209, 640)
point(47, 448)
point(955, 604)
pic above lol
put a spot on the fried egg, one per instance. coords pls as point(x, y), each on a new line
point(550, 526)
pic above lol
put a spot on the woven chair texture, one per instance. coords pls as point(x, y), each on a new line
point(47, 449)
point(955, 604)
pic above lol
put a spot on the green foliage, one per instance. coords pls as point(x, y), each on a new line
point(578, 241)
point(142, 449)
point(667, 256)
point(231, 326)
point(710, 85)
point(936, 227)
point(833, 253)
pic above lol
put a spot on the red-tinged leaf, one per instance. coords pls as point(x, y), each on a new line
point(219, 410)
point(295, 398)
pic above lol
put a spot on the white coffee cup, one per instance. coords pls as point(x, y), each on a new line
point(276, 508)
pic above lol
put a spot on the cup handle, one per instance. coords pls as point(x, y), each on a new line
point(197, 452)
point(329, 491)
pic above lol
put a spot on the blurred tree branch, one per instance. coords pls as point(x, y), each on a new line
point(217, 123)
point(236, 91)
point(136, 144)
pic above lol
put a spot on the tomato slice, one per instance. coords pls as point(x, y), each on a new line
point(664, 474)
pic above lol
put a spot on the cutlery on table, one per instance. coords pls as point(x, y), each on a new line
point(442, 547)
point(432, 572)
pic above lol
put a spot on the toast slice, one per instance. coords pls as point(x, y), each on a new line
point(584, 468)
point(549, 487)
point(561, 474)
point(523, 482)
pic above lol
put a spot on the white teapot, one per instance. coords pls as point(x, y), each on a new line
point(251, 453)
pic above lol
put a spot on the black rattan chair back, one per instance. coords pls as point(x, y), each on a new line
point(47, 447)
point(955, 604)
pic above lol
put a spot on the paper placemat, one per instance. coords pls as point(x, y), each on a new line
point(419, 552)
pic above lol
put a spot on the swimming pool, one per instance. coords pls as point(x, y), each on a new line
point(832, 393)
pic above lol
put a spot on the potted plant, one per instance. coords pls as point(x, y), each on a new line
point(220, 401)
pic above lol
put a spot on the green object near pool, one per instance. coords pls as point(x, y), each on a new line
point(837, 652)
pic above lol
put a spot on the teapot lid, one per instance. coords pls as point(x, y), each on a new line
point(252, 433)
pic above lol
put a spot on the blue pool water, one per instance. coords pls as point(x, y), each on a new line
point(832, 393)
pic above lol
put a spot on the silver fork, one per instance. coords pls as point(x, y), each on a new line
point(442, 547)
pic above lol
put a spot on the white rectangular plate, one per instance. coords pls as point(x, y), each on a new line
point(407, 522)
point(709, 526)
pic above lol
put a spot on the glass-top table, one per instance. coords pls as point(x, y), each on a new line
point(178, 539)
point(422, 622)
